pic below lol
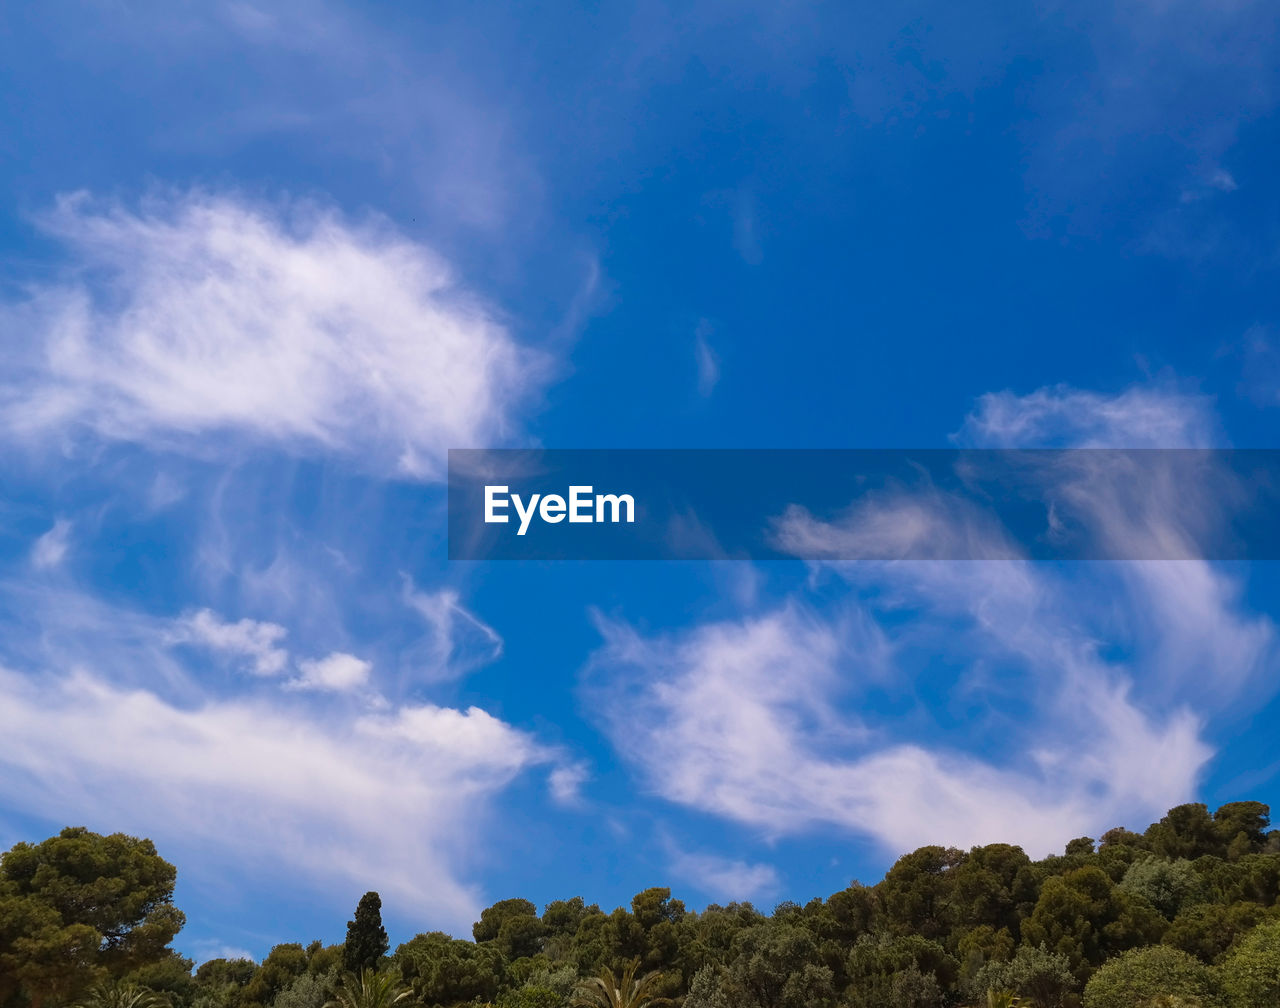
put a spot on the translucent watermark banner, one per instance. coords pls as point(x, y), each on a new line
point(864, 505)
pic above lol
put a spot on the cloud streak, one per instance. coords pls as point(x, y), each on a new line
point(202, 316)
point(377, 800)
point(773, 721)
point(289, 778)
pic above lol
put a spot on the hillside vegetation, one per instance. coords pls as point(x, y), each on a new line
point(1184, 914)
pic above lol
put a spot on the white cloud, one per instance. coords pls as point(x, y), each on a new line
point(457, 640)
point(255, 641)
point(759, 720)
point(335, 673)
point(211, 948)
point(723, 878)
point(1061, 416)
point(386, 801)
point(246, 783)
point(1156, 508)
point(706, 359)
point(1215, 180)
point(51, 548)
point(470, 743)
point(1222, 180)
point(564, 783)
point(203, 316)
point(744, 720)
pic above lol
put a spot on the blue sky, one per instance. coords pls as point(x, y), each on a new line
point(265, 264)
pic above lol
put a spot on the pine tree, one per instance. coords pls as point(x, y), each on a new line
point(366, 937)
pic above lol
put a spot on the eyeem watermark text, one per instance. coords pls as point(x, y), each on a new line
point(582, 505)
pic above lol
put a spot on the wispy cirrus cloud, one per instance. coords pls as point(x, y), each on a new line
point(382, 801)
point(199, 317)
point(766, 720)
point(728, 879)
point(457, 641)
point(706, 359)
point(752, 721)
point(110, 717)
point(1064, 417)
point(51, 548)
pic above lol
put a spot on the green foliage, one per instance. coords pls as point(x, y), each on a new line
point(170, 976)
point(916, 892)
point(1208, 930)
point(777, 966)
point(368, 989)
point(520, 937)
point(621, 990)
point(491, 919)
point(706, 990)
point(886, 966)
point(444, 970)
point(543, 989)
point(310, 990)
point(121, 994)
point(1034, 973)
point(1242, 826)
point(1150, 920)
point(81, 908)
point(911, 988)
point(1144, 974)
point(1166, 885)
point(278, 971)
point(366, 942)
point(217, 972)
point(1251, 973)
point(1085, 918)
point(994, 886)
point(1187, 831)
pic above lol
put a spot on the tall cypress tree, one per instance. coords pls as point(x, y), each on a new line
point(366, 937)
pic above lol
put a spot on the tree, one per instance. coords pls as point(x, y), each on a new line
point(994, 885)
point(621, 991)
point(778, 965)
point(877, 964)
point(1083, 917)
point(1187, 831)
point(705, 991)
point(366, 937)
point(1166, 885)
point(40, 956)
point(1208, 930)
point(170, 976)
point(1251, 973)
point(119, 994)
point(1042, 977)
point(1242, 827)
point(368, 989)
point(520, 936)
point(80, 908)
point(1143, 974)
point(282, 966)
point(492, 918)
point(308, 991)
point(445, 970)
point(544, 988)
point(913, 989)
point(916, 893)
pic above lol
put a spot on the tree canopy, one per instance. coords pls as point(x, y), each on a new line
point(1185, 914)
